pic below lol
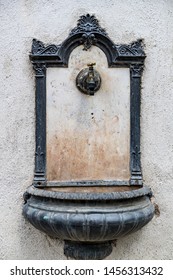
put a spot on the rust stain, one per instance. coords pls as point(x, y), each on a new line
point(156, 207)
point(87, 156)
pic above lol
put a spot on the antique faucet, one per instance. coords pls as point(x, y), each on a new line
point(88, 80)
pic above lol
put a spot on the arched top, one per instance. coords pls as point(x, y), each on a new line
point(95, 39)
point(88, 32)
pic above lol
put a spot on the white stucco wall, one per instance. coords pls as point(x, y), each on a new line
point(50, 22)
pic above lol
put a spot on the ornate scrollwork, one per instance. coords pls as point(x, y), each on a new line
point(133, 49)
point(88, 40)
point(39, 48)
point(88, 25)
point(135, 154)
point(39, 68)
point(39, 156)
point(136, 70)
point(88, 32)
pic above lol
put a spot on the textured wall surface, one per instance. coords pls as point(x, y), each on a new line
point(51, 21)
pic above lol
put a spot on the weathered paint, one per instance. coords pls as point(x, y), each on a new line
point(88, 136)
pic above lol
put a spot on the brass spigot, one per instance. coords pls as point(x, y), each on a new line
point(88, 80)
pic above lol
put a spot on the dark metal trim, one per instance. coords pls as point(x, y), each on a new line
point(135, 100)
point(40, 131)
point(87, 33)
point(87, 183)
point(102, 196)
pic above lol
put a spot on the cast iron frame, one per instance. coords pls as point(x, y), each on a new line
point(87, 33)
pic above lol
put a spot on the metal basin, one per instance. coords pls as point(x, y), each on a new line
point(88, 221)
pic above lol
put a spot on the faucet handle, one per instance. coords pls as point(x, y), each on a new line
point(88, 80)
point(91, 64)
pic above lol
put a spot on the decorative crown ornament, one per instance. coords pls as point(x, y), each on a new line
point(87, 25)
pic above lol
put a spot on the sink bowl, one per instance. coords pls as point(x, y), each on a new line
point(88, 219)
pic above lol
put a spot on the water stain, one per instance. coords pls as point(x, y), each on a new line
point(87, 137)
point(82, 157)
